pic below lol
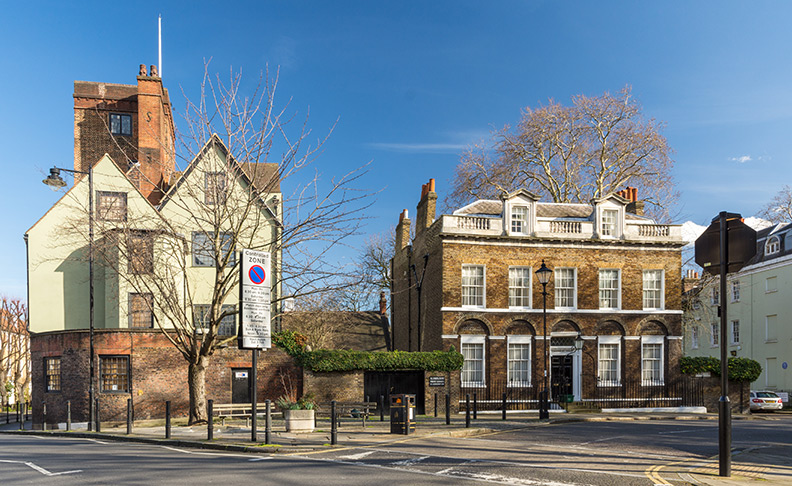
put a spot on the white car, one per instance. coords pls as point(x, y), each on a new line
point(765, 400)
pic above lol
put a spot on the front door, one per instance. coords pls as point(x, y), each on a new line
point(240, 385)
point(561, 376)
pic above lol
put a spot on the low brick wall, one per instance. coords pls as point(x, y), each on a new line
point(739, 394)
point(158, 373)
point(450, 387)
point(342, 386)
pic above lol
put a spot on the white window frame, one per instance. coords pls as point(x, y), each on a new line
point(768, 337)
point(523, 221)
point(612, 230)
point(734, 286)
point(773, 245)
point(715, 335)
point(557, 288)
point(694, 337)
point(201, 314)
point(771, 284)
point(529, 298)
point(609, 341)
point(646, 290)
point(474, 340)
point(483, 295)
point(715, 295)
point(617, 289)
point(520, 340)
point(734, 336)
point(654, 341)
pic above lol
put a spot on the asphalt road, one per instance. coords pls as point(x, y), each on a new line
point(600, 453)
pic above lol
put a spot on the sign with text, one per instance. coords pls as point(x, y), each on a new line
point(254, 300)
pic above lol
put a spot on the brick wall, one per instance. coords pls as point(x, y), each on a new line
point(158, 372)
point(347, 386)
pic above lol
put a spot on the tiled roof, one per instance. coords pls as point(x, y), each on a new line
point(264, 175)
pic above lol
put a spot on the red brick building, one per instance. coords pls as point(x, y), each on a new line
point(613, 300)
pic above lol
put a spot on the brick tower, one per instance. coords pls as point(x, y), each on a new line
point(131, 123)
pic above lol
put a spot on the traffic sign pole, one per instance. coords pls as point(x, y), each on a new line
point(724, 407)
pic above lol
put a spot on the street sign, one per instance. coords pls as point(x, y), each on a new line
point(741, 241)
point(254, 300)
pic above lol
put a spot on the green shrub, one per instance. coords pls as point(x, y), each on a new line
point(740, 369)
point(324, 360)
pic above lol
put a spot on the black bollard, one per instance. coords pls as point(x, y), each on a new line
point(44, 418)
point(129, 416)
point(210, 420)
point(21, 418)
point(8, 413)
point(382, 408)
point(98, 427)
point(467, 410)
point(475, 407)
point(333, 424)
point(504, 406)
point(435, 407)
point(68, 415)
point(267, 421)
point(168, 419)
point(448, 409)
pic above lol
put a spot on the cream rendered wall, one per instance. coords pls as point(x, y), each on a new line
point(58, 257)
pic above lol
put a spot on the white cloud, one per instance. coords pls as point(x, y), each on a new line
point(420, 147)
point(741, 159)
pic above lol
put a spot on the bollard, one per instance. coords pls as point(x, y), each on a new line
point(448, 409)
point(20, 417)
point(333, 424)
point(382, 408)
point(210, 420)
point(504, 406)
point(467, 410)
point(68, 415)
point(44, 418)
point(267, 421)
point(129, 416)
point(475, 407)
point(435, 407)
point(8, 413)
point(365, 412)
point(98, 427)
point(167, 419)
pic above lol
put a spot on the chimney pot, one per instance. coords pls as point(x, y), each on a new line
point(142, 71)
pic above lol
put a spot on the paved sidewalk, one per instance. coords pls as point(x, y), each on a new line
point(768, 465)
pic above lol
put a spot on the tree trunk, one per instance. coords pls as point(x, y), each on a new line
point(196, 380)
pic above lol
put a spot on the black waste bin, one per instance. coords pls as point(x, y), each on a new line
point(402, 414)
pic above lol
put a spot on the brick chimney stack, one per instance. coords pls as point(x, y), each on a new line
point(426, 207)
point(634, 206)
point(403, 231)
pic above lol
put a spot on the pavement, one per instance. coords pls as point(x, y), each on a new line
point(757, 465)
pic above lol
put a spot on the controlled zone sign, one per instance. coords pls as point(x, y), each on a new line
point(254, 300)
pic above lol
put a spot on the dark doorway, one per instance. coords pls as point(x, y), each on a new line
point(380, 383)
point(240, 385)
point(561, 375)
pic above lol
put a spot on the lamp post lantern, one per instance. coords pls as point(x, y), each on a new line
point(543, 274)
point(55, 182)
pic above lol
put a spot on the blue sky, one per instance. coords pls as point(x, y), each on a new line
point(413, 83)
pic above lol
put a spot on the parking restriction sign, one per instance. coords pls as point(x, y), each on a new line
point(254, 300)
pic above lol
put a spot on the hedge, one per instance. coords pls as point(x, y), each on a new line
point(740, 369)
point(345, 360)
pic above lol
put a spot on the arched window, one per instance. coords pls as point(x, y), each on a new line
point(773, 245)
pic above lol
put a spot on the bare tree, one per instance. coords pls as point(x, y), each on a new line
point(179, 260)
point(14, 350)
point(573, 153)
point(779, 209)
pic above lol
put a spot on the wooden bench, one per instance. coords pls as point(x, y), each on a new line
point(361, 410)
point(233, 410)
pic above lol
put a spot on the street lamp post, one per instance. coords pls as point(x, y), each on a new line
point(55, 181)
point(543, 274)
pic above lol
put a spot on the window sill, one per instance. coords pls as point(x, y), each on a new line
point(771, 341)
point(608, 385)
point(655, 309)
point(473, 307)
point(771, 291)
point(116, 392)
point(519, 308)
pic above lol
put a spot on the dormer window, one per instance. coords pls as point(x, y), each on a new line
point(773, 245)
point(519, 219)
point(610, 220)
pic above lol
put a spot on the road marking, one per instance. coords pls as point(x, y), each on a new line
point(602, 440)
point(41, 469)
point(220, 454)
point(355, 457)
point(259, 459)
point(409, 462)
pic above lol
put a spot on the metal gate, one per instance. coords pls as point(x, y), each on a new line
point(382, 383)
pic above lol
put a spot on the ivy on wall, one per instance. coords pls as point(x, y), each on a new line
point(740, 369)
point(324, 360)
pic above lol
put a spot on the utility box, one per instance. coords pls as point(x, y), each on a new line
point(402, 414)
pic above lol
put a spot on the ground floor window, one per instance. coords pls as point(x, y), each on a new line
point(114, 373)
point(473, 366)
point(52, 370)
point(519, 361)
point(652, 360)
point(608, 361)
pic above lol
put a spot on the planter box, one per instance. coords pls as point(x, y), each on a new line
point(299, 420)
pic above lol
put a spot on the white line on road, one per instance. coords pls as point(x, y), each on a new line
point(360, 455)
point(602, 440)
point(41, 469)
point(409, 462)
point(221, 454)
